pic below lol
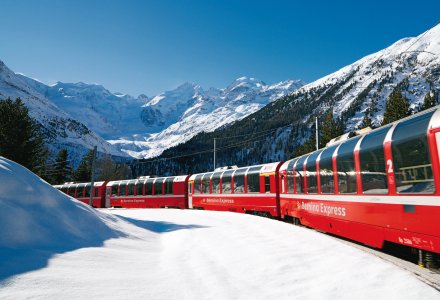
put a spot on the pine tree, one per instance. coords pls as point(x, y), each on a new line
point(20, 138)
point(366, 121)
point(330, 128)
point(107, 169)
point(84, 170)
point(397, 107)
point(430, 100)
point(62, 170)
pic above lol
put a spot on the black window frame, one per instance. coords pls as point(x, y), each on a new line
point(410, 144)
point(311, 172)
point(326, 174)
point(372, 161)
point(215, 181)
point(169, 183)
point(346, 166)
point(206, 183)
point(253, 179)
point(299, 175)
point(227, 176)
point(158, 186)
point(198, 184)
point(239, 181)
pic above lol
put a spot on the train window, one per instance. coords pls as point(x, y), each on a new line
point(158, 190)
point(326, 170)
point(311, 174)
point(412, 163)
point(226, 182)
point(139, 188)
point(114, 190)
point(289, 172)
point(123, 189)
point(267, 184)
point(253, 179)
point(216, 182)
point(346, 168)
point(198, 184)
point(79, 191)
point(239, 180)
point(372, 161)
point(169, 185)
point(149, 187)
point(87, 190)
point(96, 192)
point(299, 174)
point(206, 181)
point(130, 188)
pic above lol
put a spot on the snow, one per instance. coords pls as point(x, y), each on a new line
point(53, 247)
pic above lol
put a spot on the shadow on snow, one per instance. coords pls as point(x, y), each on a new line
point(160, 226)
point(15, 261)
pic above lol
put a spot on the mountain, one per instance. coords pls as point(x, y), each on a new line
point(60, 129)
point(176, 116)
point(109, 115)
point(139, 127)
point(273, 133)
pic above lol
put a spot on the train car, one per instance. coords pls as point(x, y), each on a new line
point(250, 189)
point(376, 188)
point(81, 191)
point(148, 193)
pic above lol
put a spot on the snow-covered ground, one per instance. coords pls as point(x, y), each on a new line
point(53, 247)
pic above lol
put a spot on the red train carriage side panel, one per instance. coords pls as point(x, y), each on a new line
point(246, 190)
point(148, 193)
point(81, 191)
point(381, 186)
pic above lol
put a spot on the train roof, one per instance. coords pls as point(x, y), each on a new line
point(433, 123)
point(265, 169)
point(181, 178)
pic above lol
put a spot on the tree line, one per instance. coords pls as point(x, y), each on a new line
point(22, 141)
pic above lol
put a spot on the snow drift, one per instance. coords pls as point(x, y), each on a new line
point(41, 221)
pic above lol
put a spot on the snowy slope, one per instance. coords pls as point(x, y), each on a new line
point(176, 116)
point(412, 64)
point(54, 247)
point(61, 129)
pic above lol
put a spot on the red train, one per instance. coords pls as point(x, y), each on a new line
point(158, 192)
point(379, 187)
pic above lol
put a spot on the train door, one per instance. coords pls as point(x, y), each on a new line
point(108, 192)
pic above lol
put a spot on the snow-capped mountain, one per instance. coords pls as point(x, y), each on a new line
point(176, 116)
point(109, 115)
point(410, 64)
point(61, 129)
point(140, 127)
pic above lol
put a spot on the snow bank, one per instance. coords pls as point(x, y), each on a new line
point(36, 217)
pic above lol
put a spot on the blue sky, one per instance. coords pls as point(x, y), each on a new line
point(147, 46)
